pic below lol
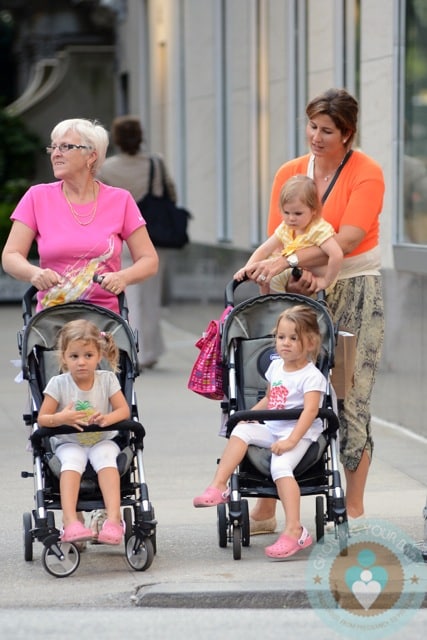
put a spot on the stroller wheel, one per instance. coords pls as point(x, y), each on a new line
point(141, 559)
point(222, 525)
point(237, 542)
point(320, 520)
point(246, 529)
point(154, 542)
point(128, 519)
point(28, 536)
point(61, 567)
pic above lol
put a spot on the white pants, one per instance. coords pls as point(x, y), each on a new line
point(260, 435)
point(74, 457)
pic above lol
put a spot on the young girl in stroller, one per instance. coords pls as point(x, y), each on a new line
point(293, 382)
point(78, 397)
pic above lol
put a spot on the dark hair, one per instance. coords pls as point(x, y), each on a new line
point(304, 188)
point(340, 106)
point(306, 326)
point(127, 134)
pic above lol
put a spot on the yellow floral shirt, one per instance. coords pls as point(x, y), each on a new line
point(314, 235)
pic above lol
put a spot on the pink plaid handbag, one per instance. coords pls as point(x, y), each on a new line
point(206, 377)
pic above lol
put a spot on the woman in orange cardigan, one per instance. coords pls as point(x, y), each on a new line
point(352, 206)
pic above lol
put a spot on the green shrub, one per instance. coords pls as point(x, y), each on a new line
point(19, 148)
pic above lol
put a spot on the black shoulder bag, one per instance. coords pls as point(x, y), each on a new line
point(336, 174)
point(166, 223)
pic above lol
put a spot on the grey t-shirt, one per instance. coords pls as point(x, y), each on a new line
point(64, 390)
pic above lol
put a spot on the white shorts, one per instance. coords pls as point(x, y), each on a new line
point(260, 435)
point(74, 457)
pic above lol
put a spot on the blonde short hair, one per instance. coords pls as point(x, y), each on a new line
point(88, 332)
point(304, 188)
point(92, 134)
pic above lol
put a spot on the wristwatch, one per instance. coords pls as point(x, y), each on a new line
point(293, 260)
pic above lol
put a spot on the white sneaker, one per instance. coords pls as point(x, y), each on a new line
point(355, 525)
point(330, 527)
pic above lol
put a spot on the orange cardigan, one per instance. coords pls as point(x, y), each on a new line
point(356, 198)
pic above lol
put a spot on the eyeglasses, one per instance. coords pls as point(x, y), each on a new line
point(64, 147)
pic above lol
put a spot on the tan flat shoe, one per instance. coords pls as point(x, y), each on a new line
point(261, 527)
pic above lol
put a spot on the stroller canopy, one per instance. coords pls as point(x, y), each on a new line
point(42, 329)
point(256, 318)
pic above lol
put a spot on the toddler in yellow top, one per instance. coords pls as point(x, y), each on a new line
point(302, 226)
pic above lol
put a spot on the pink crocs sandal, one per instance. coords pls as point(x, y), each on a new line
point(76, 532)
point(211, 497)
point(111, 533)
point(285, 546)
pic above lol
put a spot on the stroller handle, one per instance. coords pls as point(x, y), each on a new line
point(31, 292)
point(233, 284)
point(123, 308)
point(230, 289)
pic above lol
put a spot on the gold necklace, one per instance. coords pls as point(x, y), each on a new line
point(326, 178)
point(78, 217)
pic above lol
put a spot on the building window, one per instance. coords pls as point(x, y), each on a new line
point(412, 226)
point(347, 45)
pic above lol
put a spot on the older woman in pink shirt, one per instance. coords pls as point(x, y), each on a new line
point(79, 225)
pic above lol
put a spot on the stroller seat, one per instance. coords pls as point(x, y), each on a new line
point(89, 481)
point(260, 457)
point(247, 348)
point(257, 356)
point(44, 362)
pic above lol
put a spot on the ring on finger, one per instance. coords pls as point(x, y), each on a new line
point(262, 278)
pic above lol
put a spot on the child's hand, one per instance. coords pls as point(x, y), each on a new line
point(97, 418)
point(305, 284)
point(321, 284)
point(73, 418)
point(240, 274)
point(281, 446)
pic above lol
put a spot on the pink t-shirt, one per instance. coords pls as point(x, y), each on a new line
point(74, 250)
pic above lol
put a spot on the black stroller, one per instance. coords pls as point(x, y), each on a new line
point(247, 347)
point(36, 343)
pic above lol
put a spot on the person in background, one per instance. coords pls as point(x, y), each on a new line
point(130, 169)
point(353, 207)
point(80, 396)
